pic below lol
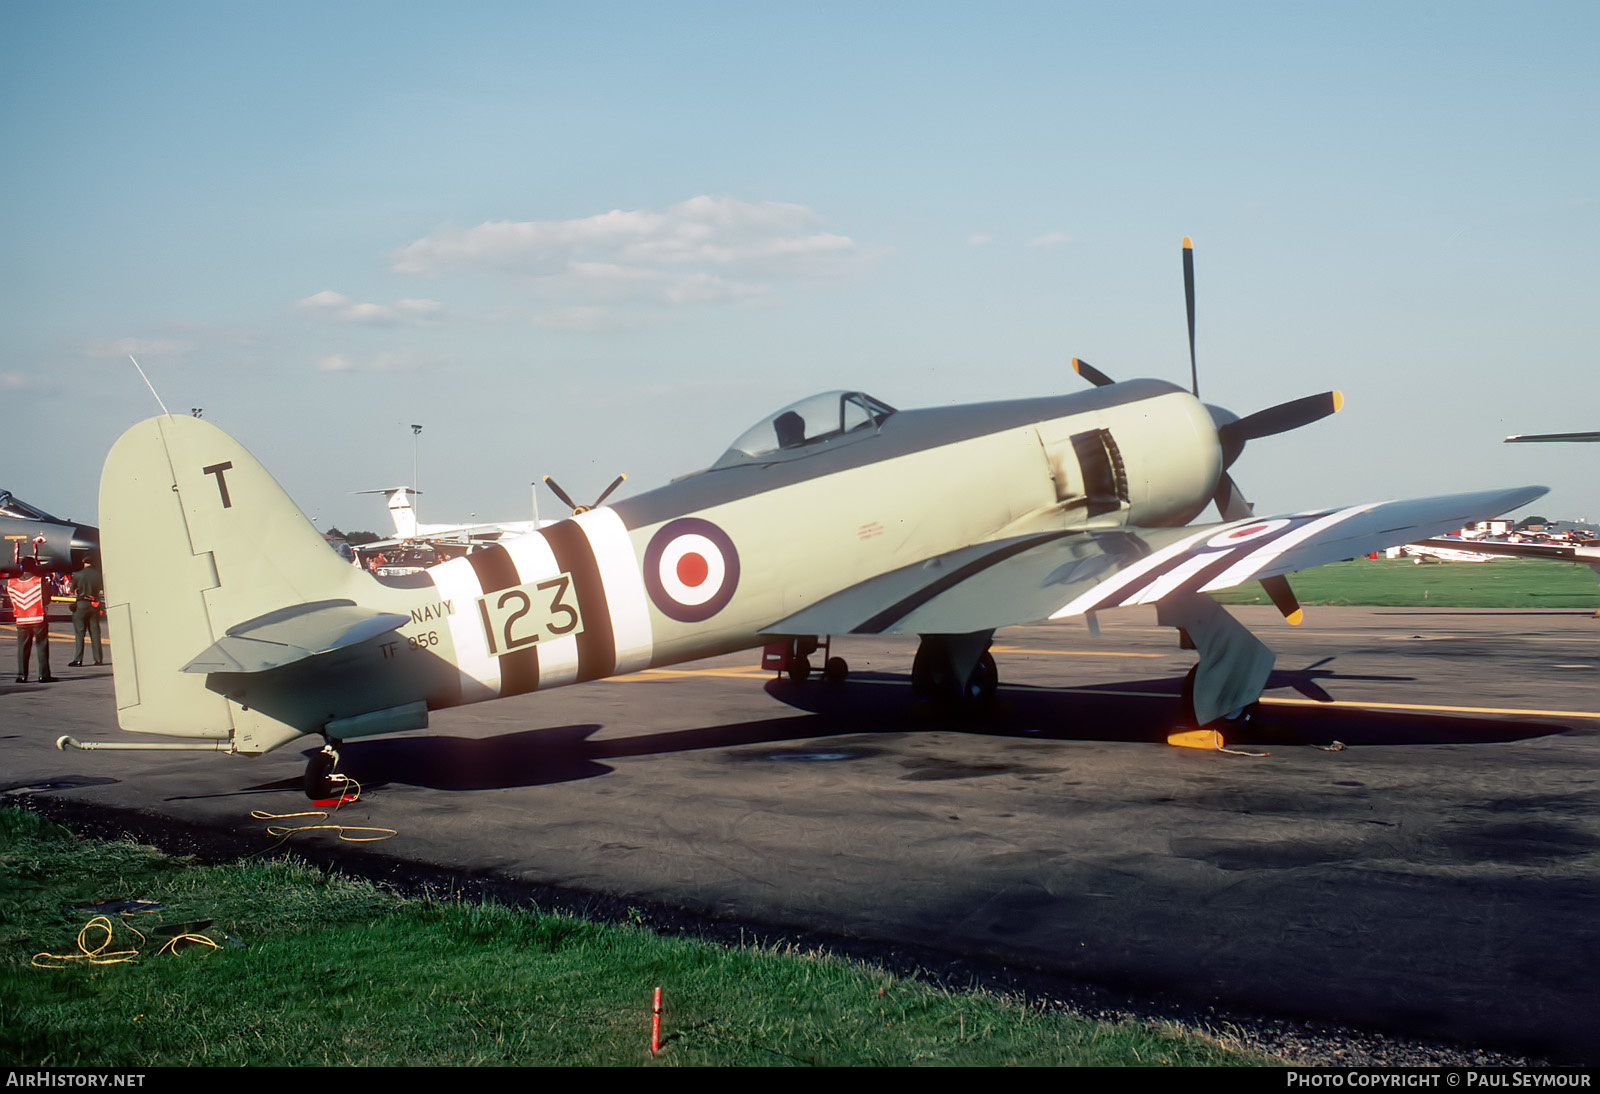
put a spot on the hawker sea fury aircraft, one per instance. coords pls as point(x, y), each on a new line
point(833, 516)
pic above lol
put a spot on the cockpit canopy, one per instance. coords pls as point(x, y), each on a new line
point(802, 427)
point(12, 506)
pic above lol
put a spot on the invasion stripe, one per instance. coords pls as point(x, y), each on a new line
point(632, 638)
point(904, 607)
point(519, 669)
point(536, 563)
point(597, 652)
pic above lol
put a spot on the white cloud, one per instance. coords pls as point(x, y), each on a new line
point(1049, 239)
point(704, 250)
point(335, 307)
point(980, 239)
point(138, 347)
point(403, 360)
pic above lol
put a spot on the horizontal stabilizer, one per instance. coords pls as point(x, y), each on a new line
point(292, 634)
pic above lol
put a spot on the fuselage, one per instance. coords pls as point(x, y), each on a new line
point(707, 564)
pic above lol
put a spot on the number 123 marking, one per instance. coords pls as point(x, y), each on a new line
point(518, 617)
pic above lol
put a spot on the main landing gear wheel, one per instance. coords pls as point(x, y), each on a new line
point(835, 671)
point(985, 678)
point(1237, 719)
point(932, 680)
point(799, 669)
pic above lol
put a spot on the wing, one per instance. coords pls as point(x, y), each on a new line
point(1027, 579)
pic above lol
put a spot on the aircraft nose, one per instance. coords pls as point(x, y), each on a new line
point(1221, 415)
point(85, 537)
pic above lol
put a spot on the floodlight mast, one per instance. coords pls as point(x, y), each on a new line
point(416, 432)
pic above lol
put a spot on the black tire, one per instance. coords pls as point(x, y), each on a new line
point(926, 680)
point(319, 783)
point(835, 671)
point(985, 678)
point(799, 669)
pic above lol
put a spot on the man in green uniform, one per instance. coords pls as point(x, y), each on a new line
point(89, 592)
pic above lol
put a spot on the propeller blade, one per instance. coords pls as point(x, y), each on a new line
point(1283, 597)
point(1277, 419)
point(1233, 506)
point(1188, 298)
point(601, 499)
point(562, 494)
point(1231, 503)
point(1090, 373)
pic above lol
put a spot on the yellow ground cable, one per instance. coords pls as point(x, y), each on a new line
point(172, 943)
point(284, 832)
point(99, 955)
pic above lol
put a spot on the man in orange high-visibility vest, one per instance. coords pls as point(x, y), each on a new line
point(28, 602)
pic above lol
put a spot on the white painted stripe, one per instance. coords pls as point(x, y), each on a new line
point(480, 673)
point(535, 562)
point(1252, 564)
point(1173, 578)
point(1133, 573)
point(625, 593)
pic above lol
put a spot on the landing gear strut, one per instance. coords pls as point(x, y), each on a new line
point(793, 657)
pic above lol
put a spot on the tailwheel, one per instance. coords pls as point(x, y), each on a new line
point(321, 783)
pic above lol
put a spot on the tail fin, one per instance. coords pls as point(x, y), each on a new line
point(404, 517)
point(198, 538)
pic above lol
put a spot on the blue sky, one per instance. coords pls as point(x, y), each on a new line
point(582, 239)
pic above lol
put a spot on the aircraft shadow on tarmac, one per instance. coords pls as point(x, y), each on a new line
point(880, 703)
point(1148, 710)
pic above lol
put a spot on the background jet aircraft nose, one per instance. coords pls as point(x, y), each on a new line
point(85, 539)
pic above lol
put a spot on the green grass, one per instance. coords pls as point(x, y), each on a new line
point(1509, 583)
point(338, 971)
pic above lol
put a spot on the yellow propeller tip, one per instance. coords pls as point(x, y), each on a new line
point(1188, 244)
point(1338, 401)
point(1295, 617)
point(1075, 367)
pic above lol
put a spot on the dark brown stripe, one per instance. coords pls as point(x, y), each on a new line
point(898, 611)
point(519, 669)
point(597, 645)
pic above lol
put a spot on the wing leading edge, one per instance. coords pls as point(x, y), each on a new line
point(1052, 575)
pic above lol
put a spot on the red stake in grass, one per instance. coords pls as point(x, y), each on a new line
point(655, 1026)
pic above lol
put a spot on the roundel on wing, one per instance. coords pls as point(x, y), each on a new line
point(691, 569)
point(1246, 533)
